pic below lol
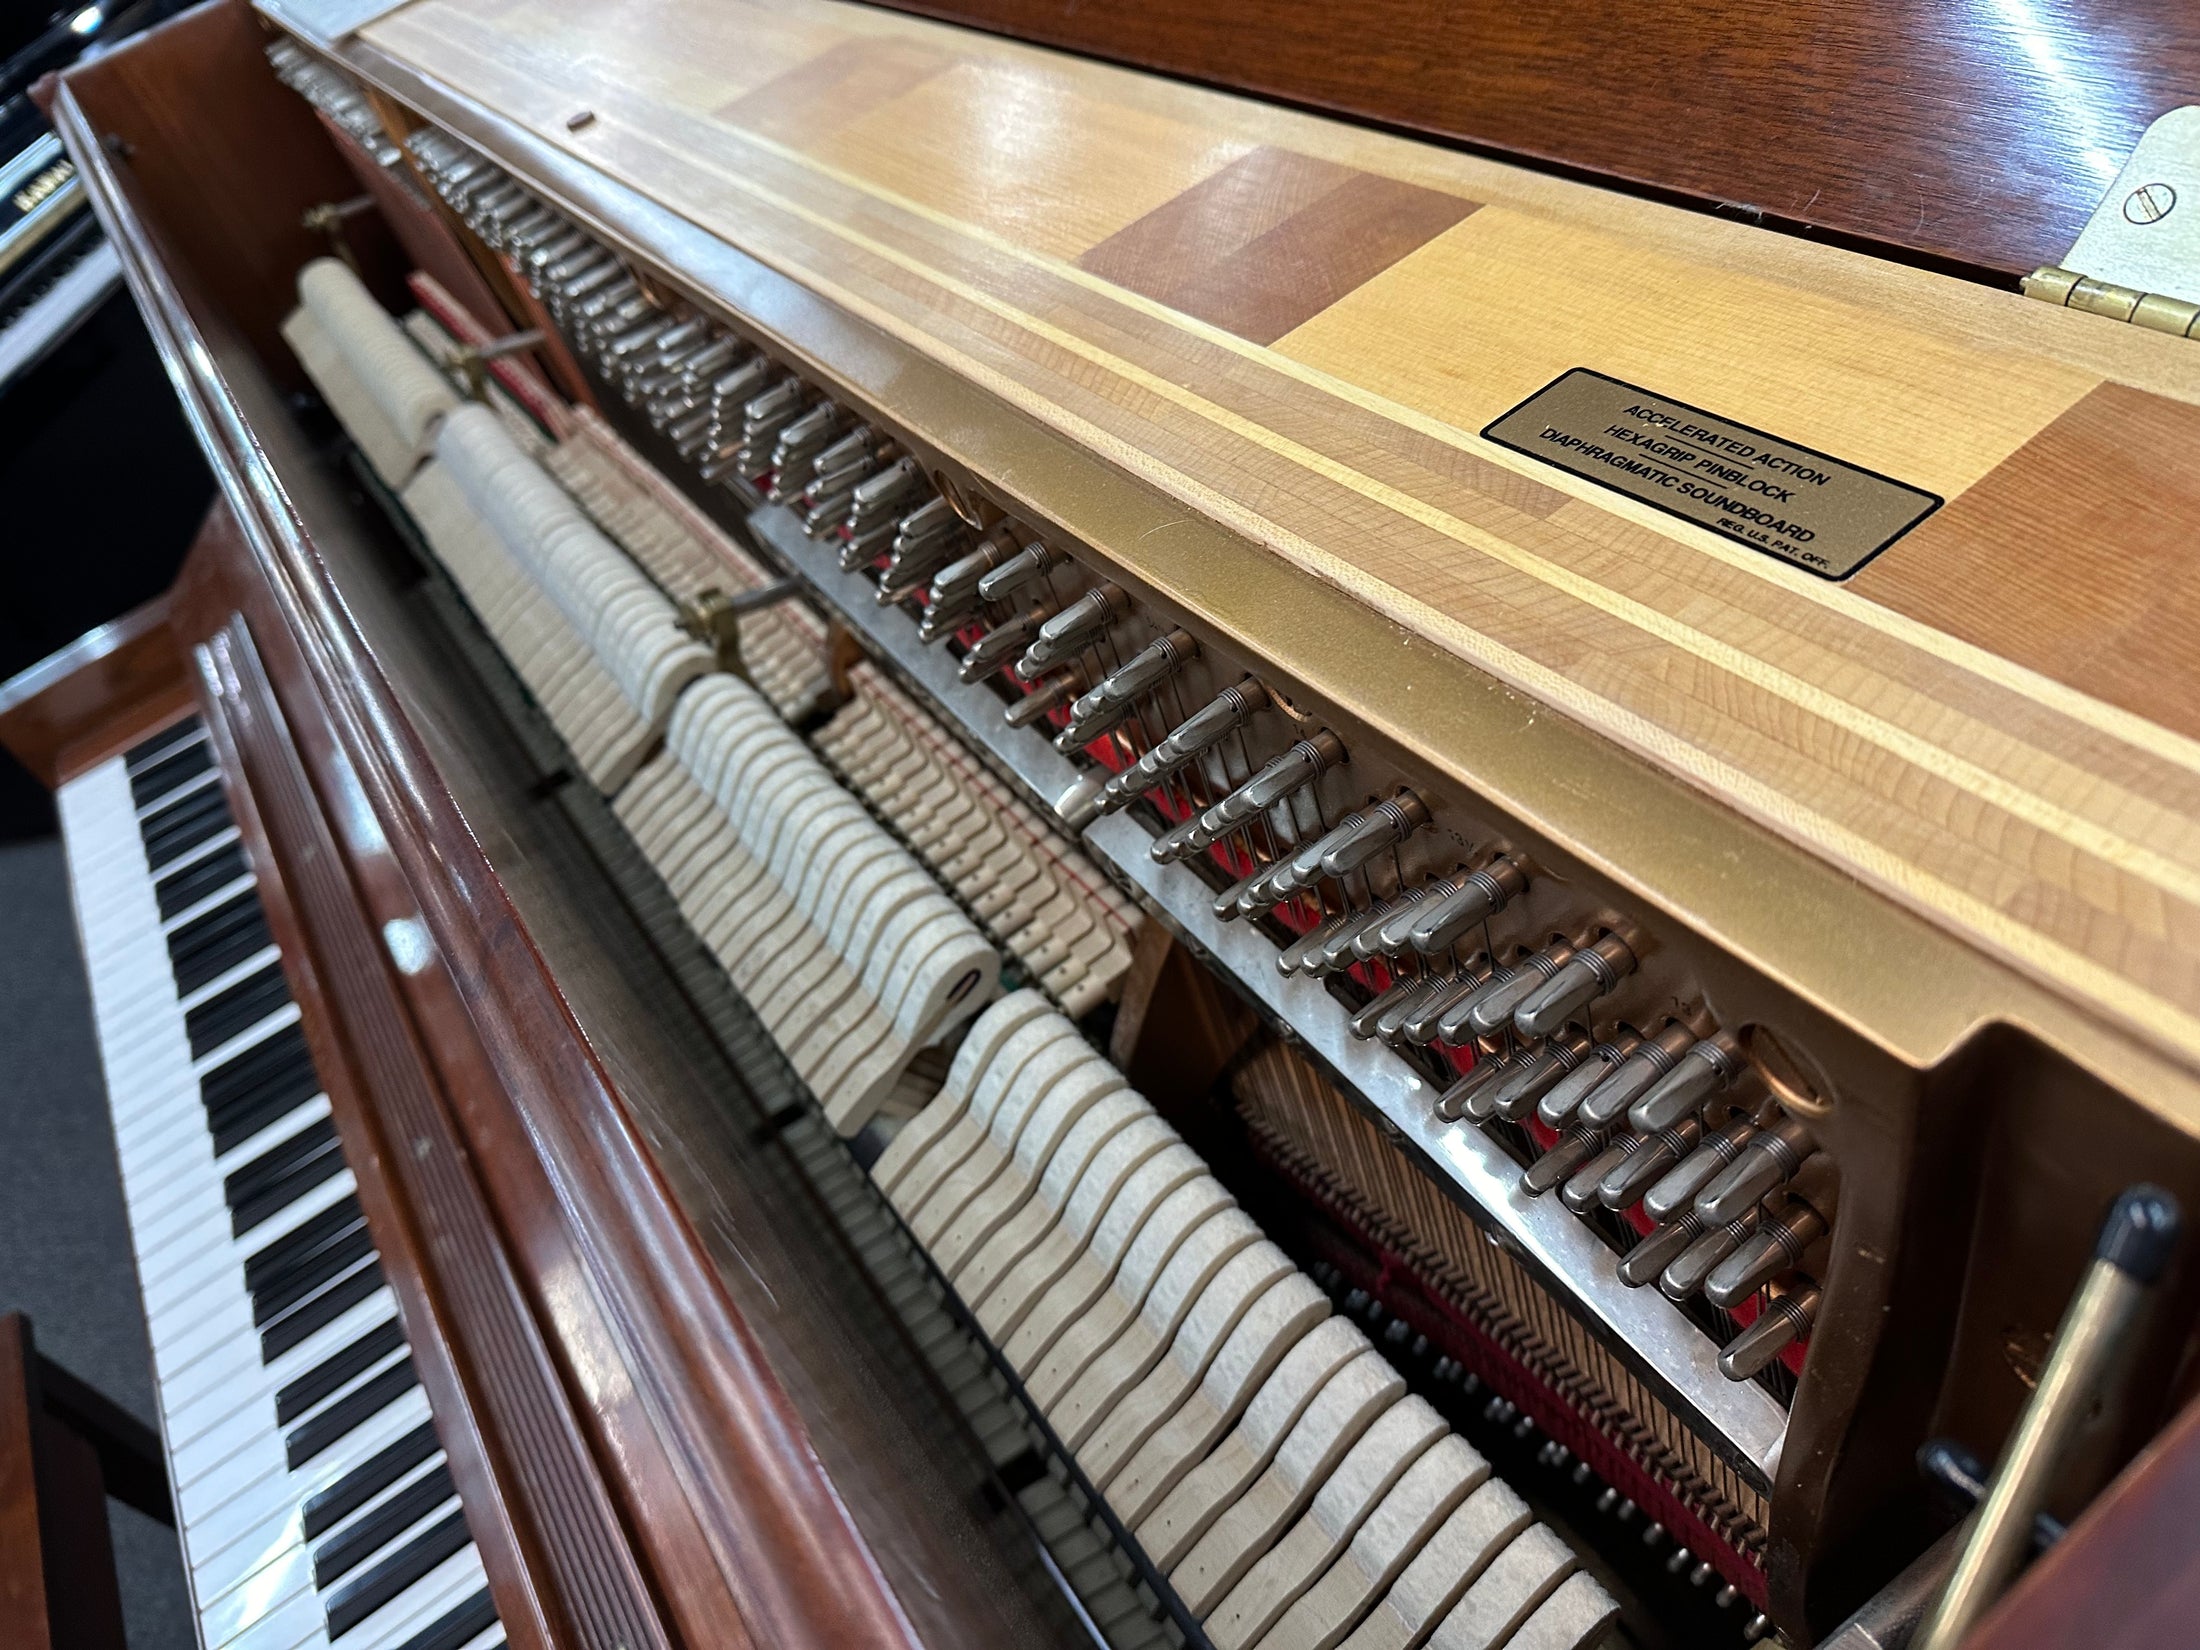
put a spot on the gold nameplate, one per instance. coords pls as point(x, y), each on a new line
point(1787, 500)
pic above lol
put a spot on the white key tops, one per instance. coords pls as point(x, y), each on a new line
point(839, 940)
point(1260, 1450)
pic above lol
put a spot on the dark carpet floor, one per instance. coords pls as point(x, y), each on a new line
point(64, 1247)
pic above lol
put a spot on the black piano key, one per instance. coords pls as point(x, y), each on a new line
point(459, 1627)
point(257, 1095)
point(234, 1008)
point(367, 1592)
point(365, 1401)
point(367, 1480)
point(270, 1194)
point(176, 829)
point(217, 939)
point(312, 1316)
point(245, 1072)
point(155, 780)
point(301, 1261)
point(268, 1264)
point(150, 749)
point(317, 1268)
point(360, 1540)
point(338, 1370)
point(198, 879)
point(278, 1162)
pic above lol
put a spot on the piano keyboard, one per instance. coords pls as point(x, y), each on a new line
point(314, 1504)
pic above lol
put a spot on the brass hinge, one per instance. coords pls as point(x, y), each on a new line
point(2138, 257)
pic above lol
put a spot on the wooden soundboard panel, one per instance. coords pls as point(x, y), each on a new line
point(1299, 330)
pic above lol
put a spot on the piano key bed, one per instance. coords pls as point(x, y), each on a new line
point(314, 1504)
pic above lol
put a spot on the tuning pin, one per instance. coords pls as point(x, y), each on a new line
point(1345, 847)
point(1205, 728)
point(1661, 1149)
point(1768, 1161)
point(1110, 701)
point(930, 523)
point(1451, 1021)
point(1675, 1195)
point(1464, 1098)
point(1659, 1249)
point(1297, 767)
point(884, 493)
point(1785, 1320)
point(1568, 1154)
point(955, 586)
point(1580, 1191)
point(1343, 949)
point(1532, 1075)
point(1390, 1026)
point(1072, 629)
point(1398, 993)
point(1033, 706)
point(1556, 1109)
point(1778, 1245)
point(1707, 1068)
point(1000, 644)
point(1475, 897)
point(1590, 973)
point(1179, 841)
point(1302, 954)
point(1607, 1103)
point(1240, 898)
point(1033, 561)
point(1684, 1276)
point(1426, 1025)
point(1492, 1010)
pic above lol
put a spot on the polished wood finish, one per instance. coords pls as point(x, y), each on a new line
point(2049, 820)
point(147, 112)
point(2124, 1577)
point(636, 1466)
point(1981, 135)
point(57, 1562)
point(94, 696)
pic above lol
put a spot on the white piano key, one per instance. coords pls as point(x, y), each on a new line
point(240, 1507)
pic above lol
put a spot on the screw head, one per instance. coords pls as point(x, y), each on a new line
point(2149, 203)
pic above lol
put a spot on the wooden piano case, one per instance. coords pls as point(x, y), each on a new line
point(675, 1411)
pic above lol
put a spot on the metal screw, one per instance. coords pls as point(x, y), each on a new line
point(2149, 203)
point(587, 117)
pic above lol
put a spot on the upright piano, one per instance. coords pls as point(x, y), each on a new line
point(944, 844)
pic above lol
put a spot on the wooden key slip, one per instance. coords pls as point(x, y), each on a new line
point(1032, 1037)
point(1189, 1398)
point(1005, 1169)
point(1219, 1296)
point(979, 1045)
point(1358, 1396)
point(1351, 1491)
point(1183, 1215)
point(1000, 1308)
point(1000, 1227)
point(1449, 1562)
point(1520, 1578)
point(1176, 1173)
point(1391, 1536)
point(1183, 1499)
point(1066, 1067)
